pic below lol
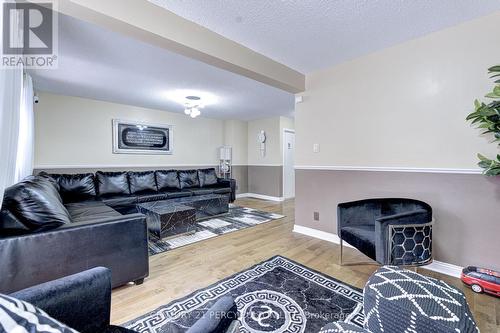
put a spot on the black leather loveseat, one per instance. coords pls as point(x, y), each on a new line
point(53, 225)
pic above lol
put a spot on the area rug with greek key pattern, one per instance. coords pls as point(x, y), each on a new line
point(276, 295)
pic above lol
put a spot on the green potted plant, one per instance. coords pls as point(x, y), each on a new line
point(487, 118)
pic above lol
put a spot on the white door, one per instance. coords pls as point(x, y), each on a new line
point(289, 164)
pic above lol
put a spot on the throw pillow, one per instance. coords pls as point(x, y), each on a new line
point(36, 203)
point(20, 316)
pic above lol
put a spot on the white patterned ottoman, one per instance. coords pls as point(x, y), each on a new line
point(399, 300)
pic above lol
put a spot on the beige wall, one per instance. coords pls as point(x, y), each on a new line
point(272, 128)
point(236, 136)
point(77, 132)
point(404, 106)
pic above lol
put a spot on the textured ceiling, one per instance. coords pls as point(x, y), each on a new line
point(99, 64)
point(307, 35)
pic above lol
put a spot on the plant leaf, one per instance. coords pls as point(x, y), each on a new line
point(494, 69)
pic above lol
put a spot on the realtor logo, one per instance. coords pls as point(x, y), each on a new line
point(29, 35)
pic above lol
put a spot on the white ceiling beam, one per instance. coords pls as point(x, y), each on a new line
point(149, 23)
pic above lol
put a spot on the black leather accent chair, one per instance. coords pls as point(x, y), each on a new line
point(391, 231)
point(83, 302)
point(52, 225)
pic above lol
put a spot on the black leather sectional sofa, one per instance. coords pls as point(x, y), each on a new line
point(52, 225)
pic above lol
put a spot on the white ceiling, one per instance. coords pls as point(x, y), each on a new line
point(100, 64)
point(308, 35)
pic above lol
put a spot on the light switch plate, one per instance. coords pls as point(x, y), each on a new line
point(316, 148)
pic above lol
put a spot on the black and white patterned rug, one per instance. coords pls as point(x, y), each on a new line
point(238, 218)
point(277, 295)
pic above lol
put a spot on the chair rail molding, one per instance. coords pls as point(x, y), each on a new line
point(95, 166)
point(389, 169)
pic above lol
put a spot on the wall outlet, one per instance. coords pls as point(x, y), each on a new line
point(316, 148)
point(316, 216)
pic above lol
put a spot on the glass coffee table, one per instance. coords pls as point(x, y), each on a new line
point(173, 217)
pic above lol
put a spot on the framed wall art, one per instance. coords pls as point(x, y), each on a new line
point(131, 137)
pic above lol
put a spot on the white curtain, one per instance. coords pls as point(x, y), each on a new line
point(10, 99)
point(25, 141)
point(11, 81)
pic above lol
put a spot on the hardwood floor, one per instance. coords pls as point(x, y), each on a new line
point(176, 273)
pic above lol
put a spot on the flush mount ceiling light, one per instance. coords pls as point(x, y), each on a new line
point(192, 106)
point(192, 101)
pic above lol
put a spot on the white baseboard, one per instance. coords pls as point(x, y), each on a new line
point(259, 196)
point(445, 268)
point(436, 266)
point(323, 235)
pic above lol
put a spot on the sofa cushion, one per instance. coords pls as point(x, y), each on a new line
point(52, 177)
point(78, 187)
point(142, 182)
point(361, 237)
point(112, 183)
point(90, 211)
point(152, 197)
point(119, 201)
point(167, 180)
point(207, 177)
point(36, 203)
point(222, 190)
point(178, 193)
point(201, 191)
point(188, 178)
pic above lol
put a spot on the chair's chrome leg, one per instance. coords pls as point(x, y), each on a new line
point(340, 261)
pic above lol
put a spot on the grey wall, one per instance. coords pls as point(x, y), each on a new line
point(266, 180)
point(240, 173)
point(466, 207)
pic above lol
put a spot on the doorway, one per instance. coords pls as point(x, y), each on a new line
point(288, 163)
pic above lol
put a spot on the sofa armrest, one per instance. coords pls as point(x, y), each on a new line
point(361, 212)
point(231, 183)
point(120, 244)
point(82, 301)
point(84, 224)
point(419, 216)
point(222, 317)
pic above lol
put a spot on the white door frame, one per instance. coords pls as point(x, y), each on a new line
point(285, 130)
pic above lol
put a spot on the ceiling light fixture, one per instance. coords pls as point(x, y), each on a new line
point(192, 106)
point(192, 100)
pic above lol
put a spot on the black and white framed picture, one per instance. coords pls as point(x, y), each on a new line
point(131, 137)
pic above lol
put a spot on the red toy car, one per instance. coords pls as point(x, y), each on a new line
point(482, 280)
